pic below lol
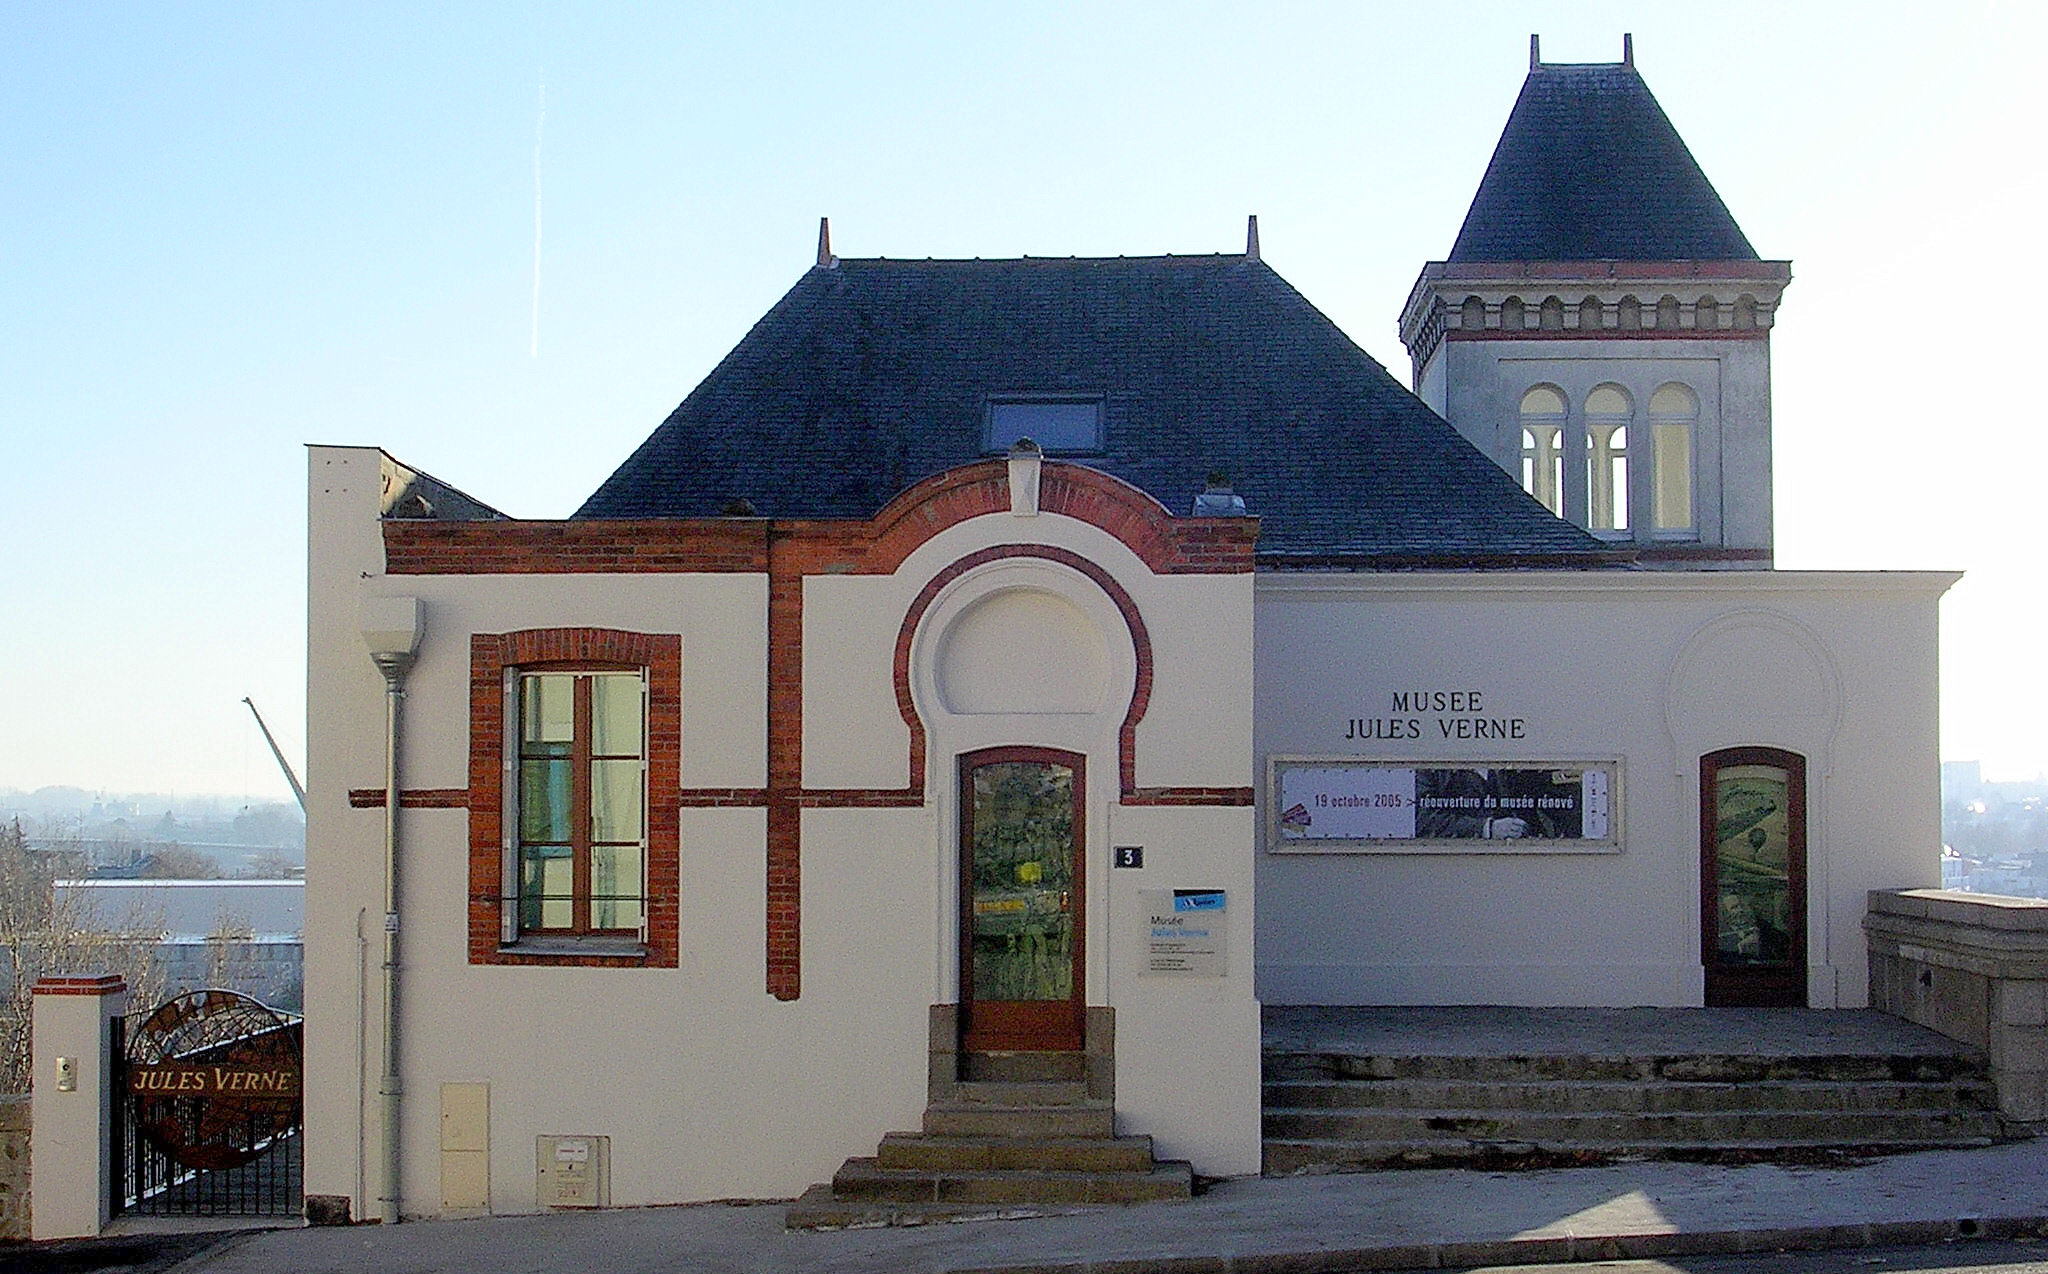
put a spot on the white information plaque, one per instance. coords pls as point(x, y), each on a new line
point(1187, 932)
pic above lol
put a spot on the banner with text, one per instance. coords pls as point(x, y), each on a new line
point(1327, 805)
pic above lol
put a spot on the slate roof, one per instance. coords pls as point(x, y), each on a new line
point(874, 374)
point(1589, 168)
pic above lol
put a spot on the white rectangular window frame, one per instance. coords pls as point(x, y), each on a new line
point(1061, 424)
point(512, 933)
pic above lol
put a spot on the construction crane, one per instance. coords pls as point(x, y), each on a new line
point(298, 789)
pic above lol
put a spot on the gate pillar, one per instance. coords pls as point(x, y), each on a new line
point(71, 1149)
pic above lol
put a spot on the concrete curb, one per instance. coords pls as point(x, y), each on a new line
point(1551, 1249)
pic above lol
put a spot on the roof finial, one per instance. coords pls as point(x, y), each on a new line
point(1251, 237)
point(1535, 51)
point(1628, 50)
point(826, 261)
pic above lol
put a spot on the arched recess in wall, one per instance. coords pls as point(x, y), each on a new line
point(985, 663)
point(1025, 644)
point(1752, 677)
point(1757, 679)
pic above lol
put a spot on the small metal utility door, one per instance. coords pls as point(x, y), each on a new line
point(1022, 873)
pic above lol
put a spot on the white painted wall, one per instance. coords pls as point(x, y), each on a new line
point(707, 1086)
point(1478, 387)
point(1651, 669)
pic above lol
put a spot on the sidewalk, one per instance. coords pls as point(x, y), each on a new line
point(1300, 1225)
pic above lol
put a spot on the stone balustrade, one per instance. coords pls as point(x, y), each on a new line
point(1975, 968)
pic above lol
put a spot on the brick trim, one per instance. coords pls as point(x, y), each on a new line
point(106, 984)
point(412, 798)
point(490, 654)
point(626, 546)
point(1128, 791)
point(874, 546)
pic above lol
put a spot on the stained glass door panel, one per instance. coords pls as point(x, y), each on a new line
point(1753, 869)
point(1021, 899)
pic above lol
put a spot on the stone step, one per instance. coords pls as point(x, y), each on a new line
point(865, 1179)
point(1023, 1067)
point(910, 1150)
point(1711, 1129)
point(1293, 1156)
point(1045, 1092)
point(1086, 1118)
point(1594, 1096)
point(819, 1210)
point(1707, 1068)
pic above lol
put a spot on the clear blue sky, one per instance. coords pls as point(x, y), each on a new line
point(228, 230)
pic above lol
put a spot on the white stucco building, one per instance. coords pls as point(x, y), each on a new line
point(844, 740)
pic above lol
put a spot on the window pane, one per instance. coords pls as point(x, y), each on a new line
point(1674, 400)
point(1023, 867)
point(1059, 426)
point(615, 887)
point(1674, 477)
point(615, 714)
point(547, 712)
point(1543, 465)
point(615, 800)
point(1607, 401)
point(545, 796)
point(1543, 401)
point(1607, 477)
point(547, 883)
point(1752, 840)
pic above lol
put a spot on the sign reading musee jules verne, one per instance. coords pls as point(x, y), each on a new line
point(1332, 805)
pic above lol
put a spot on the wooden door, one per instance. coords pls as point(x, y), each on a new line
point(1022, 876)
point(1753, 876)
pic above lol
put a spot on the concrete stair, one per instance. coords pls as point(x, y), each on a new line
point(1005, 1134)
point(1340, 1112)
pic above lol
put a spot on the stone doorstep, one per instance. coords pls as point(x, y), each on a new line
point(1964, 1064)
point(1073, 1154)
point(983, 1119)
point(1704, 1130)
point(1023, 1067)
point(1041, 1092)
point(1622, 1097)
point(862, 1179)
point(817, 1209)
point(1285, 1157)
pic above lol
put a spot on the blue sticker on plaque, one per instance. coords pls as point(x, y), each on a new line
point(1198, 900)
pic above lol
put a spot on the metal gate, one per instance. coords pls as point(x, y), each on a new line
point(209, 1109)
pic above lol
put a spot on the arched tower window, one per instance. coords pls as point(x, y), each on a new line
point(1628, 315)
point(1511, 315)
point(1472, 315)
point(1667, 313)
point(1551, 315)
point(1674, 416)
point(1706, 314)
point(1543, 420)
point(1590, 318)
point(1607, 417)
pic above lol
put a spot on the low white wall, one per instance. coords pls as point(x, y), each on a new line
point(1647, 669)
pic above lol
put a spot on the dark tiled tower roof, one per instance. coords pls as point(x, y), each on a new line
point(1589, 168)
point(870, 375)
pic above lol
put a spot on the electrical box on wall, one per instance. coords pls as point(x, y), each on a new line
point(575, 1172)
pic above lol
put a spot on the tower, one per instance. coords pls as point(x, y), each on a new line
point(1601, 327)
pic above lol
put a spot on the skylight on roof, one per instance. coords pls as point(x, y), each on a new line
point(1056, 424)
